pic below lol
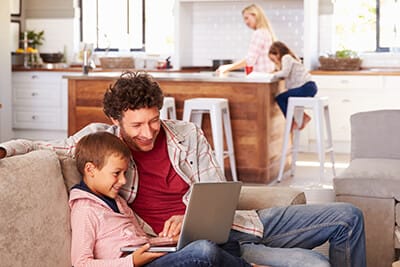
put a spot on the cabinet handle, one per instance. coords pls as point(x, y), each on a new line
point(344, 81)
point(34, 117)
point(35, 77)
point(346, 101)
point(35, 94)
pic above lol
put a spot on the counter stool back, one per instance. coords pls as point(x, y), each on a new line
point(218, 109)
point(168, 111)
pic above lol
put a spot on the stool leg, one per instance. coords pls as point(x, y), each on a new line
point(163, 113)
point(286, 136)
point(329, 137)
point(229, 142)
point(217, 133)
point(320, 138)
point(298, 117)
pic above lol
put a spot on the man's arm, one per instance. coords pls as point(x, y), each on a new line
point(208, 167)
point(61, 147)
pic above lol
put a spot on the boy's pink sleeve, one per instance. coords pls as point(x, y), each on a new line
point(84, 224)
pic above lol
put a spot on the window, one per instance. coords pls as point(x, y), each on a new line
point(122, 25)
point(367, 25)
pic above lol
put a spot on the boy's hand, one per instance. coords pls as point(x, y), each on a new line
point(141, 256)
point(172, 226)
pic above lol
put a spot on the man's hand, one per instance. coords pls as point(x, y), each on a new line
point(172, 226)
point(142, 257)
point(3, 153)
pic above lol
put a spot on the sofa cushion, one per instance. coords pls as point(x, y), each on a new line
point(70, 172)
point(35, 225)
point(370, 177)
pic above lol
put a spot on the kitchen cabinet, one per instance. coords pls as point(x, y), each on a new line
point(39, 105)
point(349, 94)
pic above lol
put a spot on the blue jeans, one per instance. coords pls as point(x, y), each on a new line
point(199, 253)
point(291, 232)
point(309, 89)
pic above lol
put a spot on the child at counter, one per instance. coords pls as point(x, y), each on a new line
point(297, 78)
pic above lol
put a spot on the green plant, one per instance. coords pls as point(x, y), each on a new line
point(34, 38)
point(346, 53)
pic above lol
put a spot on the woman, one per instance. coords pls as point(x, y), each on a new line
point(261, 40)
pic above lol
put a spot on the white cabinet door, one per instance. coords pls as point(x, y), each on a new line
point(39, 101)
point(347, 95)
point(391, 92)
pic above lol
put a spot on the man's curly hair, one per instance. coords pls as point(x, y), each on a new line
point(132, 91)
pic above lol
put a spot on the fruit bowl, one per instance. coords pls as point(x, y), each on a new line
point(52, 57)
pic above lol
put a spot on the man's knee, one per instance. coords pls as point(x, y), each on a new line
point(204, 250)
point(352, 212)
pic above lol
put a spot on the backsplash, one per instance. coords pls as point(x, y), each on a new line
point(218, 30)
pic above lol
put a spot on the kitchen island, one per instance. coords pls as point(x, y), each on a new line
point(257, 122)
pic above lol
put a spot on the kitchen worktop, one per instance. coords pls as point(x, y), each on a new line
point(207, 76)
point(370, 71)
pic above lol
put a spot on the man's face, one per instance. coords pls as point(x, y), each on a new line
point(140, 127)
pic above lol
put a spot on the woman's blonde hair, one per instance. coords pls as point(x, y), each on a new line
point(262, 21)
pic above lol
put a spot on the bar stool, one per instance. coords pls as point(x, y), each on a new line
point(295, 110)
point(218, 109)
point(168, 111)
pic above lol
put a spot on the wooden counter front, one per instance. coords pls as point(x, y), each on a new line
point(257, 122)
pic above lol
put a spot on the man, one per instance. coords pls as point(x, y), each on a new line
point(169, 156)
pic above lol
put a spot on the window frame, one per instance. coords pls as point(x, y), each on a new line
point(116, 49)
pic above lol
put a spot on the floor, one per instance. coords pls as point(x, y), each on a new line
point(307, 178)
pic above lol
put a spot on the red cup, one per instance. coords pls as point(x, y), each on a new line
point(248, 69)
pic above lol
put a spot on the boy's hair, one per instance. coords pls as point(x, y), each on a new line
point(132, 91)
point(96, 148)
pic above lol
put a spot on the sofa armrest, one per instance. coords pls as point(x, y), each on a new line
point(262, 197)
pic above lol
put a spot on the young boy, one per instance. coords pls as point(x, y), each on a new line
point(102, 222)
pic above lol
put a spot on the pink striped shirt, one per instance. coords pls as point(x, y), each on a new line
point(98, 232)
point(257, 55)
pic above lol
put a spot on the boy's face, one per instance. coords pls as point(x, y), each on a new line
point(140, 127)
point(108, 180)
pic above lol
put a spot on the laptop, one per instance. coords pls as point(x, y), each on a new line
point(209, 215)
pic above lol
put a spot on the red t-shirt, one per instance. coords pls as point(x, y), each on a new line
point(160, 188)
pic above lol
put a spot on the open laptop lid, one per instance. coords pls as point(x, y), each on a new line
point(209, 214)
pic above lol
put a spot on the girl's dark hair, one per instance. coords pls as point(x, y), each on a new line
point(132, 91)
point(97, 147)
point(280, 49)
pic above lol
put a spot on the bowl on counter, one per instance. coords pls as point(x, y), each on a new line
point(217, 62)
point(52, 57)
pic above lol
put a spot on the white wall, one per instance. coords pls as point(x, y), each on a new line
point(5, 72)
point(217, 29)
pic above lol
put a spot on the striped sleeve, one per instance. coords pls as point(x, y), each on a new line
point(84, 224)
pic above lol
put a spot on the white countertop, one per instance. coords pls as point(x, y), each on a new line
point(178, 76)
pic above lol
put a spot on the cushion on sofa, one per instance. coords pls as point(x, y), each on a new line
point(70, 172)
point(34, 226)
point(370, 177)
